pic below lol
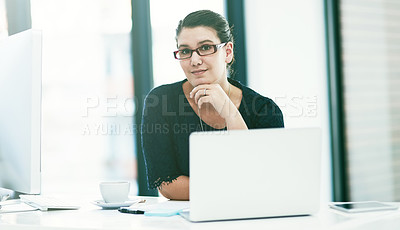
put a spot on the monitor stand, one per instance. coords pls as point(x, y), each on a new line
point(11, 193)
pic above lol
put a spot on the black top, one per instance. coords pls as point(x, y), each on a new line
point(168, 120)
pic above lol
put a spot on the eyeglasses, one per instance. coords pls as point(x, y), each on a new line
point(203, 50)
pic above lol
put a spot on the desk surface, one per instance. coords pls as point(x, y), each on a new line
point(93, 217)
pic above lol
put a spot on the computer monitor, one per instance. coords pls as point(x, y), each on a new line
point(20, 112)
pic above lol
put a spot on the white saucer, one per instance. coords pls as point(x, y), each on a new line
point(103, 204)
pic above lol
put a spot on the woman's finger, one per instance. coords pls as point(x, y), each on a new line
point(204, 99)
point(202, 93)
point(198, 88)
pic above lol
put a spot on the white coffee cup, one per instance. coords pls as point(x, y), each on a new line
point(115, 192)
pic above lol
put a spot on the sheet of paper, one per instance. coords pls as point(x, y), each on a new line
point(17, 207)
point(167, 208)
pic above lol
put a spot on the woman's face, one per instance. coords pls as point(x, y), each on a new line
point(204, 69)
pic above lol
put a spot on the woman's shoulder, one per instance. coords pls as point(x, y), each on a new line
point(250, 96)
point(163, 96)
point(260, 111)
point(167, 89)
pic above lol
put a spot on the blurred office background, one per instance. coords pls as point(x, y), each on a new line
point(331, 64)
point(370, 45)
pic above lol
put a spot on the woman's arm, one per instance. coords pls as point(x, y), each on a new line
point(176, 190)
point(156, 130)
point(234, 120)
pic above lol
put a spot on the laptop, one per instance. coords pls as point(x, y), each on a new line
point(255, 173)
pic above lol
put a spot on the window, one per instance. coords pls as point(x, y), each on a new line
point(286, 59)
point(87, 94)
point(3, 19)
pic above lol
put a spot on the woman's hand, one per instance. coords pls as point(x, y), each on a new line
point(214, 95)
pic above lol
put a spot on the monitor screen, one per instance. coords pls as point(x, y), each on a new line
point(20, 112)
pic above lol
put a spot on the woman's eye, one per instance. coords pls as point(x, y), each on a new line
point(184, 51)
point(205, 47)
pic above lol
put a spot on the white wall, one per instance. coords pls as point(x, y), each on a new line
point(286, 61)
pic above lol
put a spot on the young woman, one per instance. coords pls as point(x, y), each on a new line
point(206, 100)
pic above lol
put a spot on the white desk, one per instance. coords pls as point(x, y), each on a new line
point(93, 217)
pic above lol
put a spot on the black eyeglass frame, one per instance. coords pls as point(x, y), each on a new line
point(215, 46)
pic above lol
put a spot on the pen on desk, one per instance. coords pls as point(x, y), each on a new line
point(130, 211)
